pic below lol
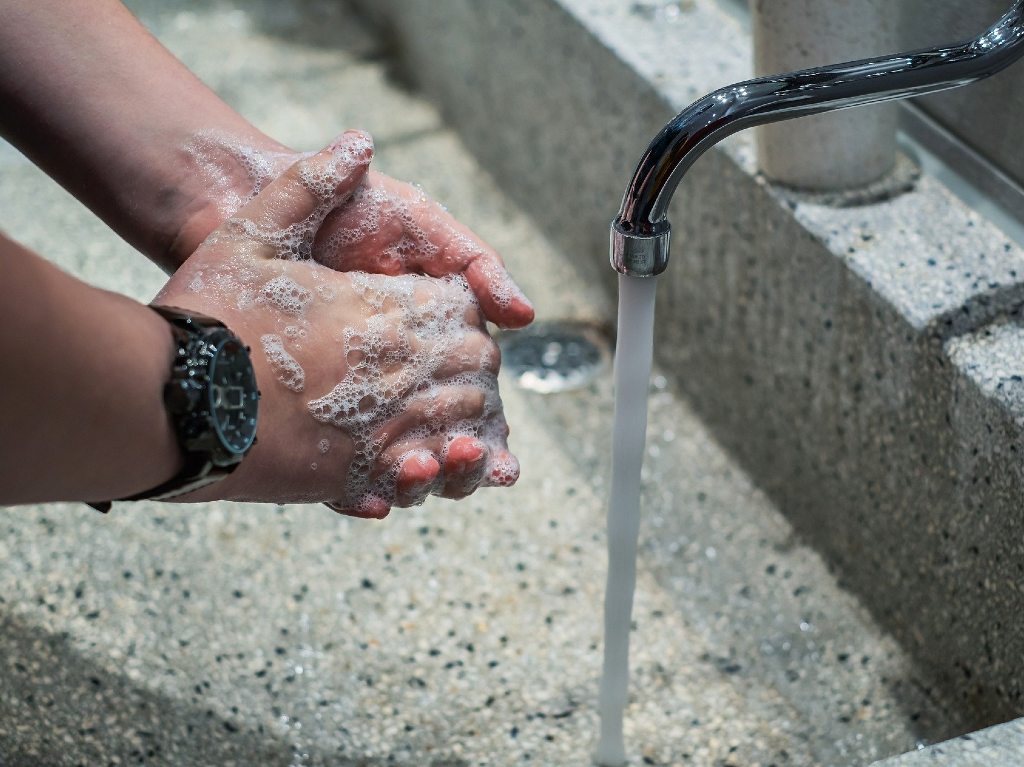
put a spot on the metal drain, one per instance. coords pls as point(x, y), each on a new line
point(551, 357)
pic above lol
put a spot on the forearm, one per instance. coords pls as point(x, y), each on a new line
point(81, 405)
point(96, 101)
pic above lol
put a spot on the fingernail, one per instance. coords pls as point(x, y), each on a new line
point(372, 506)
point(420, 486)
point(354, 146)
point(504, 471)
point(525, 306)
point(475, 452)
point(521, 298)
point(518, 311)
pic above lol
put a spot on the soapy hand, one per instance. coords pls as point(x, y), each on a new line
point(384, 226)
point(390, 227)
point(378, 390)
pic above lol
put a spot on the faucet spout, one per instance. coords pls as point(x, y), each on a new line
point(640, 233)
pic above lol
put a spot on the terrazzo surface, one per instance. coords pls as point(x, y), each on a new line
point(996, 745)
point(455, 634)
point(810, 332)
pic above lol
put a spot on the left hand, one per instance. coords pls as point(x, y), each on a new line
point(385, 226)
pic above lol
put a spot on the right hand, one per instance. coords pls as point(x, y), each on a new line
point(377, 390)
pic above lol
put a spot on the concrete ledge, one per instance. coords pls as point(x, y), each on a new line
point(825, 344)
point(996, 745)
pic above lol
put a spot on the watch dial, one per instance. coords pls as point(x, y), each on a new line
point(234, 400)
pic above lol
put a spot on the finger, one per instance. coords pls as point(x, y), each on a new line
point(477, 354)
point(369, 506)
point(457, 249)
point(502, 470)
point(392, 228)
point(417, 473)
point(433, 413)
point(361, 236)
point(503, 467)
point(285, 215)
point(465, 463)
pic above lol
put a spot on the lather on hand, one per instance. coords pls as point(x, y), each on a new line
point(385, 226)
point(377, 389)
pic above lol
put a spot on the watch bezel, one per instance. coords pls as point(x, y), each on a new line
point(224, 340)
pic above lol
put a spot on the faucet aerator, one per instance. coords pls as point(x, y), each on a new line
point(640, 255)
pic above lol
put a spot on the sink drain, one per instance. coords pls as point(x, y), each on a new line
point(550, 357)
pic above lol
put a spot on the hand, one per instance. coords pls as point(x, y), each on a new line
point(384, 227)
point(377, 390)
point(390, 227)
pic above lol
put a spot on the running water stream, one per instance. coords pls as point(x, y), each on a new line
point(633, 351)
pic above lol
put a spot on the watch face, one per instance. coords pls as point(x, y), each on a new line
point(234, 400)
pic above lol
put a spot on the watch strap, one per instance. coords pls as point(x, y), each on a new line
point(199, 469)
point(196, 472)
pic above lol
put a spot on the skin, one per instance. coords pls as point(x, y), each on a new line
point(95, 442)
point(241, 261)
point(404, 213)
point(113, 118)
point(84, 458)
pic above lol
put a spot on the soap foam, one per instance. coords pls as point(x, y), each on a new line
point(285, 295)
point(370, 207)
point(234, 171)
point(422, 228)
point(287, 369)
point(383, 376)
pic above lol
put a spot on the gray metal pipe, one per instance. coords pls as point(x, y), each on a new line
point(829, 152)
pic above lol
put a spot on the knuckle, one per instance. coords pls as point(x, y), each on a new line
point(490, 357)
point(474, 401)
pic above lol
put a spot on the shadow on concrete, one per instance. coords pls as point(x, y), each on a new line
point(60, 708)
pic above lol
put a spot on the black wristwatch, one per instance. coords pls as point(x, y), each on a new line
point(211, 400)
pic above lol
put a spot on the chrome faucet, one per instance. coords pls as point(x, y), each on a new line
point(640, 233)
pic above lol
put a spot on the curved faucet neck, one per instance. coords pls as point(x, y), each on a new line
point(640, 231)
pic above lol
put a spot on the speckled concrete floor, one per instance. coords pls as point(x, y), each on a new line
point(456, 634)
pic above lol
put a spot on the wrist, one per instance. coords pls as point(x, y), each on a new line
point(143, 450)
point(211, 402)
point(214, 174)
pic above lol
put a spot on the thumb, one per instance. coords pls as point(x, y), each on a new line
point(286, 214)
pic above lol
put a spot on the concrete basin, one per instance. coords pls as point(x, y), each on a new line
point(469, 633)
